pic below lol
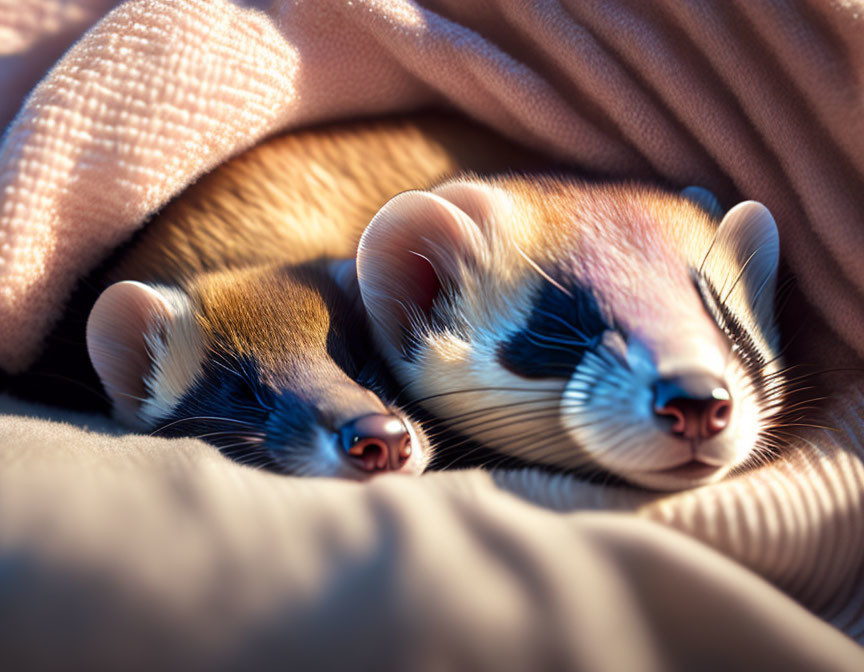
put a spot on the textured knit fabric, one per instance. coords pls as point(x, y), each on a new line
point(751, 99)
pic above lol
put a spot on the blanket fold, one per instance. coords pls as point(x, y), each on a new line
point(748, 99)
point(161, 554)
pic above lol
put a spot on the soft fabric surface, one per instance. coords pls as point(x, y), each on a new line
point(129, 550)
point(134, 553)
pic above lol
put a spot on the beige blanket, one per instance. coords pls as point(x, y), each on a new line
point(123, 550)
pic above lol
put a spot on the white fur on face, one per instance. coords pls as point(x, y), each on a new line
point(607, 409)
point(177, 352)
point(481, 399)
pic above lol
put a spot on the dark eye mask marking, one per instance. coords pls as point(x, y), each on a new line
point(559, 331)
point(228, 406)
point(292, 422)
point(227, 399)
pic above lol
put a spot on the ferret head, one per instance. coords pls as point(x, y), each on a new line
point(618, 329)
point(271, 365)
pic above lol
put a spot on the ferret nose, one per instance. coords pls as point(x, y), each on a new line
point(698, 404)
point(376, 442)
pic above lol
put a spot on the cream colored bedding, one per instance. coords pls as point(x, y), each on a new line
point(122, 552)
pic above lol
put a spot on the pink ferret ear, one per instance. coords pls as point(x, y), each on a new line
point(747, 239)
point(482, 202)
point(121, 323)
point(417, 244)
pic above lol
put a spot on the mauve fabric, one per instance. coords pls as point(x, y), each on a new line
point(750, 99)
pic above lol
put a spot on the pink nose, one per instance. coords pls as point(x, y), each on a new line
point(699, 405)
point(377, 442)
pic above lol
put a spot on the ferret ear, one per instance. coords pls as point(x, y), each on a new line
point(483, 203)
point(417, 244)
point(126, 326)
point(746, 252)
point(704, 199)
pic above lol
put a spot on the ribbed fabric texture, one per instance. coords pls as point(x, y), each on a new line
point(798, 522)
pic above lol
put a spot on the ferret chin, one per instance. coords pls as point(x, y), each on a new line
point(615, 330)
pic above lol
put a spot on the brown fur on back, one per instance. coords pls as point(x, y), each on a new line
point(308, 195)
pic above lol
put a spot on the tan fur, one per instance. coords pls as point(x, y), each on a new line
point(308, 195)
point(297, 198)
point(547, 209)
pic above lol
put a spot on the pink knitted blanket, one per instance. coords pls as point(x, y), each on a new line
point(753, 99)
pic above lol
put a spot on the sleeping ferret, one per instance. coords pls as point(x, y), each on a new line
point(228, 319)
point(614, 329)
